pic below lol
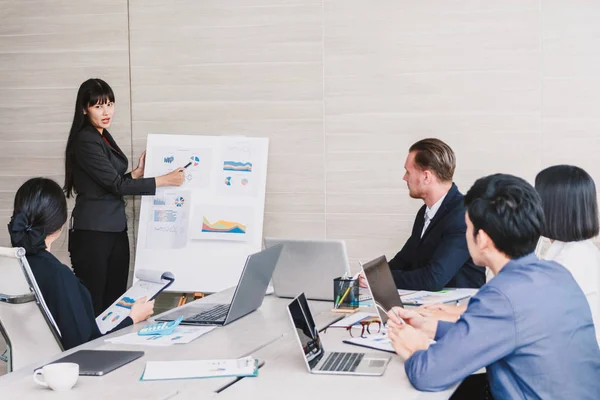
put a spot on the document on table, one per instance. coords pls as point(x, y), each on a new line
point(377, 342)
point(181, 335)
point(189, 369)
point(443, 296)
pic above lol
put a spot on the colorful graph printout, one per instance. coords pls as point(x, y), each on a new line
point(222, 226)
point(125, 302)
point(237, 166)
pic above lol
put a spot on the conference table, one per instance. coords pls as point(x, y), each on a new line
point(266, 334)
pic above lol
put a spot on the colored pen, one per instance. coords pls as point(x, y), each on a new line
point(337, 302)
point(344, 296)
point(188, 164)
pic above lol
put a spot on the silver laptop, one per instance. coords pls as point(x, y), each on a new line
point(248, 296)
point(308, 266)
point(382, 286)
point(100, 362)
point(319, 361)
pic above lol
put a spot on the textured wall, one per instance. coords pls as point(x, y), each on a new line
point(341, 88)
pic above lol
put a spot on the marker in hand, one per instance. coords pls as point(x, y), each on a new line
point(188, 164)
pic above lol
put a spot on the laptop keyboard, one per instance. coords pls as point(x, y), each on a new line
point(342, 362)
point(216, 313)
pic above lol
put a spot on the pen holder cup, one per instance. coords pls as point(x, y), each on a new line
point(345, 293)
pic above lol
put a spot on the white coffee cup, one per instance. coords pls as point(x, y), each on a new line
point(59, 376)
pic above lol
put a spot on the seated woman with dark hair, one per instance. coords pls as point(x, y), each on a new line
point(40, 212)
point(568, 196)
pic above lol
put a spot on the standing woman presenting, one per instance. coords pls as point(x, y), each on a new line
point(95, 170)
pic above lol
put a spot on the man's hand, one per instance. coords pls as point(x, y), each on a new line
point(362, 281)
point(439, 315)
point(447, 308)
point(413, 318)
point(406, 340)
point(442, 312)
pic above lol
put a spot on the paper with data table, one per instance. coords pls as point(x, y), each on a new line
point(203, 230)
point(423, 297)
point(149, 284)
point(181, 335)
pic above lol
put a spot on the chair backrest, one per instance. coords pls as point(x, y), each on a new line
point(25, 322)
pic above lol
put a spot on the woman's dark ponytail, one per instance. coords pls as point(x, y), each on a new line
point(40, 209)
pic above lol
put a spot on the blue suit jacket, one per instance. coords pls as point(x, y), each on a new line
point(440, 258)
point(531, 326)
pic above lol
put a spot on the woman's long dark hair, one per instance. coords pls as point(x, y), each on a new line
point(91, 92)
point(40, 209)
point(568, 195)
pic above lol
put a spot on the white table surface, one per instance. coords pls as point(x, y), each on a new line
point(265, 334)
point(240, 338)
point(285, 376)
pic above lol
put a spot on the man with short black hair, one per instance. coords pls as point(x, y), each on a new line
point(436, 255)
point(530, 326)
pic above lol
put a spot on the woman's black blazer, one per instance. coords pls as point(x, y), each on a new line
point(100, 182)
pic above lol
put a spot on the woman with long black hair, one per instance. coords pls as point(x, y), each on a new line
point(95, 170)
point(40, 212)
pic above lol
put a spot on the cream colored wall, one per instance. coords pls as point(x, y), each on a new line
point(341, 88)
point(47, 49)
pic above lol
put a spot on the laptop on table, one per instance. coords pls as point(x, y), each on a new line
point(320, 361)
point(309, 266)
point(248, 296)
point(100, 362)
point(382, 286)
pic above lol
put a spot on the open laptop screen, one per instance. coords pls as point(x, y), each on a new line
point(382, 286)
point(306, 330)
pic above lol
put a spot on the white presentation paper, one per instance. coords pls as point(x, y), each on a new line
point(216, 222)
point(239, 169)
point(168, 220)
point(198, 172)
point(149, 284)
point(204, 230)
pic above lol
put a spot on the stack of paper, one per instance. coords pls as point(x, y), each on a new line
point(162, 370)
point(181, 335)
point(444, 296)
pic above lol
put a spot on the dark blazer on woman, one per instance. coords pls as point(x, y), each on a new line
point(100, 181)
point(440, 258)
point(67, 299)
